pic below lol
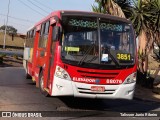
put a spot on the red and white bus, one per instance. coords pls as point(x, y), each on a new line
point(82, 54)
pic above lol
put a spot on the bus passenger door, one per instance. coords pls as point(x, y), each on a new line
point(42, 45)
point(42, 53)
point(50, 60)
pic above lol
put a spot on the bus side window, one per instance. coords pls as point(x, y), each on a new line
point(47, 28)
point(52, 48)
point(46, 31)
point(34, 34)
point(26, 43)
point(30, 38)
point(44, 35)
point(41, 36)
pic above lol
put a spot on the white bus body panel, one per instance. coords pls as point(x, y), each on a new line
point(26, 56)
point(62, 87)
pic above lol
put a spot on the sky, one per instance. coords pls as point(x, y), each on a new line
point(23, 14)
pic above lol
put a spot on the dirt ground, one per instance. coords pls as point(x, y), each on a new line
point(16, 42)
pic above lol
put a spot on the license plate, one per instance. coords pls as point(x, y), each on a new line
point(98, 88)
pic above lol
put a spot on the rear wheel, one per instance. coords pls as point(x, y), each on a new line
point(41, 85)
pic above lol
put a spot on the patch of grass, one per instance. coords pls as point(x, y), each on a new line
point(15, 56)
point(2, 55)
point(1, 59)
point(21, 56)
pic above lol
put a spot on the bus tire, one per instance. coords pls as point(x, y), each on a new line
point(42, 90)
point(28, 76)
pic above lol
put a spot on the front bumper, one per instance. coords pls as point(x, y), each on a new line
point(61, 87)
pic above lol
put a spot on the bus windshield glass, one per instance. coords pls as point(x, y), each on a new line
point(97, 42)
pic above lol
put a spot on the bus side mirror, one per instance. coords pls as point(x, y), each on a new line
point(55, 33)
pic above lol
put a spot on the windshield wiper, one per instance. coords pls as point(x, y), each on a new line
point(92, 59)
point(112, 57)
point(85, 55)
point(89, 49)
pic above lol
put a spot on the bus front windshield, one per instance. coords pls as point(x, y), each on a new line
point(97, 42)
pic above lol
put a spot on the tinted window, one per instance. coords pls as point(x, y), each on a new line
point(44, 35)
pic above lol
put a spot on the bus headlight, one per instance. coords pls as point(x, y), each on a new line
point(130, 79)
point(61, 73)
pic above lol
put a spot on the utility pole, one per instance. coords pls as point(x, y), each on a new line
point(6, 27)
point(4, 21)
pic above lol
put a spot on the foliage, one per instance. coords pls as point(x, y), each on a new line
point(109, 7)
point(155, 7)
point(145, 16)
point(139, 16)
point(100, 8)
point(1, 58)
point(2, 55)
point(10, 29)
point(125, 6)
point(15, 56)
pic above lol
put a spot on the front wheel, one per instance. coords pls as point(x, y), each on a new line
point(41, 84)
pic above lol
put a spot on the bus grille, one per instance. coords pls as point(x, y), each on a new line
point(89, 91)
point(100, 75)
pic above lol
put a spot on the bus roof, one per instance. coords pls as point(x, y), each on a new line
point(30, 28)
point(81, 13)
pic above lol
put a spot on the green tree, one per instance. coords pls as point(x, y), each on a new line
point(140, 14)
point(10, 29)
point(145, 16)
point(155, 7)
point(108, 7)
point(125, 6)
point(99, 8)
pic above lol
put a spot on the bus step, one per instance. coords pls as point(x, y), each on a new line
point(33, 79)
point(46, 89)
